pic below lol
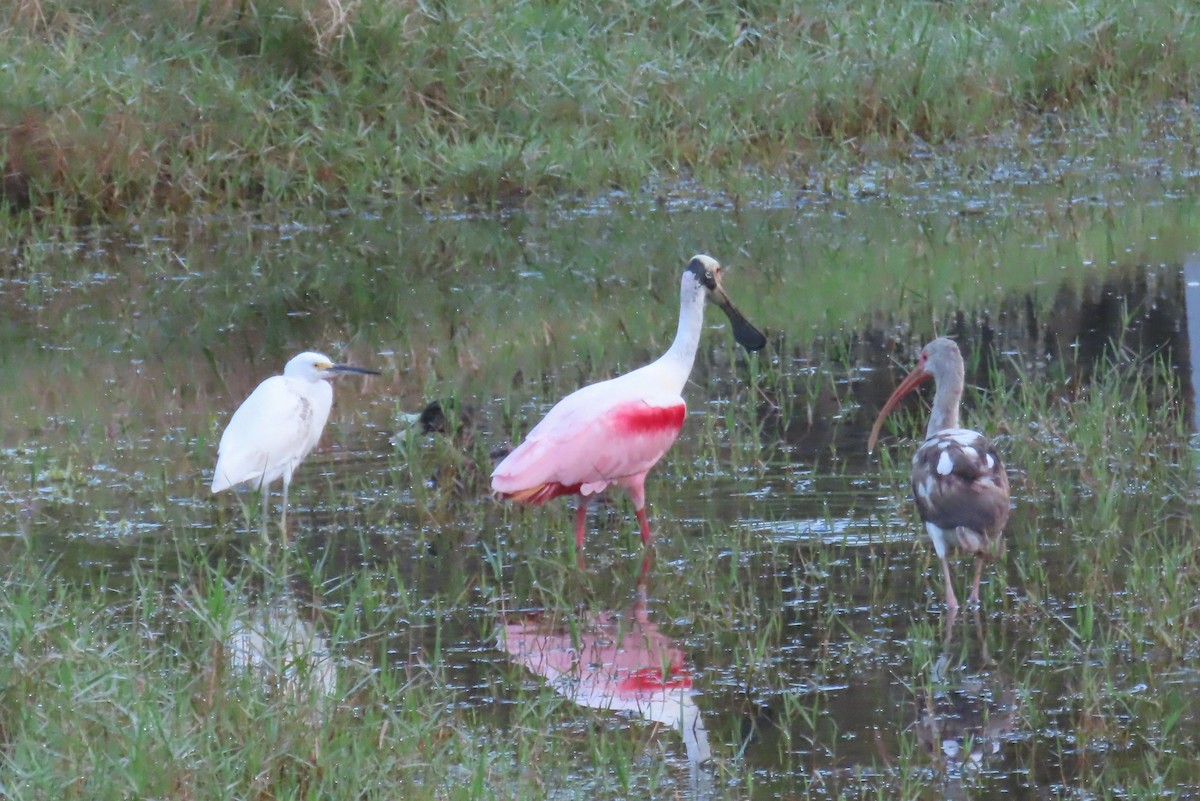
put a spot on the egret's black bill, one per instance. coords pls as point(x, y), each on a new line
point(346, 368)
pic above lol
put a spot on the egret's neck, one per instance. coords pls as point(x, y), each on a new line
point(945, 407)
point(676, 364)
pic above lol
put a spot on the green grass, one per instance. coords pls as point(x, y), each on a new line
point(140, 699)
point(153, 695)
point(156, 107)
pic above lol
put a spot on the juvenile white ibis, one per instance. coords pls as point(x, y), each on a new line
point(613, 432)
point(277, 425)
point(958, 480)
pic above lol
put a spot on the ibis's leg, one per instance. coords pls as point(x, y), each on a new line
point(974, 599)
point(580, 523)
point(951, 601)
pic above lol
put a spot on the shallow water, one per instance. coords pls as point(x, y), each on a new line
point(793, 602)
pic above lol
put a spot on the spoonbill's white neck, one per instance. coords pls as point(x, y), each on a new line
point(676, 364)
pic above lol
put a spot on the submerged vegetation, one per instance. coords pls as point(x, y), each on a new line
point(151, 106)
point(206, 672)
point(146, 631)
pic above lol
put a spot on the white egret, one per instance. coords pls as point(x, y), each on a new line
point(275, 428)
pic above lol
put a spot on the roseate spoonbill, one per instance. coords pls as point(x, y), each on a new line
point(958, 480)
point(277, 425)
point(614, 431)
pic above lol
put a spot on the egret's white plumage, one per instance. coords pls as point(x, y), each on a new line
point(277, 425)
point(615, 431)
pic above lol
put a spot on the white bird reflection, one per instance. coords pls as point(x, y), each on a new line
point(617, 661)
point(967, 723)
point(963, 720)
point(287, 653)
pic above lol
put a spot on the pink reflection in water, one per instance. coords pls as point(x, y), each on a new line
point(616, 661)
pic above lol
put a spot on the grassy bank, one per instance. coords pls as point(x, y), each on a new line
point(117, 109)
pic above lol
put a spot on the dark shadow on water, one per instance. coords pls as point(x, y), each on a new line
point(1137, 314)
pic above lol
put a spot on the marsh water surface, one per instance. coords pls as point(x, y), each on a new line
point(788, 636)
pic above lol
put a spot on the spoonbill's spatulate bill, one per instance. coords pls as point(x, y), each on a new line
point(277, 425)
point(615, 431)
point(958, 480)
